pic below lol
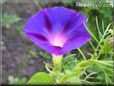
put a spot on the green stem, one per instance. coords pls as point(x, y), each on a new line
point(91, 33)
point(57, 63)
point(100, 34)
point(66, 76)
point(79, 68)
point(82, 54)
point(92, 45)
point(103, 36)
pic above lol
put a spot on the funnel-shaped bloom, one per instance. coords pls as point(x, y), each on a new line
point(57, 30)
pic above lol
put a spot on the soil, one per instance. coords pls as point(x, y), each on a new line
point(16, 46)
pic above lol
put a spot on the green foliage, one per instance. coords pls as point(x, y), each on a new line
point(84, 63)
point(111, 31)
point(104, 70)
point(44, 54)
point(17, 80)
point(31, 54)
point(103, 51)
point(74, 80)
point(41, 78)
point(107, 47)
point(8, 19)
point(19, 29)
point(69, 62)
point(57, 63)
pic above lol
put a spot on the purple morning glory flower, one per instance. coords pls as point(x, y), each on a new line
point(57, 30)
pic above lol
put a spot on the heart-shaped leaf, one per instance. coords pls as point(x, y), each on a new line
point(41, 78)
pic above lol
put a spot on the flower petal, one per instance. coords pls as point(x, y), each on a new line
point(48, 25)
point(59, 17)
point(74, 23)
point(43, 44)
point(77, 39)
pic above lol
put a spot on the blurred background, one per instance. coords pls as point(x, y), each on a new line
point(20, 57)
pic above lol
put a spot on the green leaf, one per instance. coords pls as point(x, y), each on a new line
point(17, 80)
point(57, 62)
point(111, 31)
point(104, 70)
point(41, 78)
point(85, 63)
point(77, 70)
point(19, 29)
point(74, 80)
point(69, 62)
point(9, 19)
point(107, 47)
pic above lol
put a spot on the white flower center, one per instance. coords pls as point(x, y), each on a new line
point(58, 40)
